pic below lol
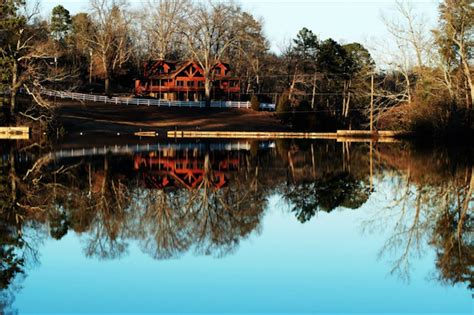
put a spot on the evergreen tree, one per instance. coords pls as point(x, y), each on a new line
point(306, 44)
point(60, 23)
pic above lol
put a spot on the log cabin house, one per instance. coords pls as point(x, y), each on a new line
point(174, 81)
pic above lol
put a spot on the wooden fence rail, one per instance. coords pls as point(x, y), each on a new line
point(151, 102)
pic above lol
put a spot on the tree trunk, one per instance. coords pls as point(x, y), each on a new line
point(448, 83)
point(466, 69)
point(257, 77)
point(467, 73)
point(14, 88)
point(408, 86)
point(106, 74)
point(314, 91)
point(207, 88)
point(344, 93)
point(293, 83)
point(107, 84)
point(348, 100)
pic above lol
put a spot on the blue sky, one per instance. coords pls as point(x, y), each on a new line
point(343, 20)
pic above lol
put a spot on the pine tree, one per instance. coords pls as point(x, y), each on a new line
point(60, 23)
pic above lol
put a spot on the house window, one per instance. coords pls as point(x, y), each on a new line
point(218, 71)
point(190, 83)
point(179, 83)
point(200, 83)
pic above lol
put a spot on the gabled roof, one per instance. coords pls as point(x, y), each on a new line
point(185, 65)
point(152, 65)
point(181, 66)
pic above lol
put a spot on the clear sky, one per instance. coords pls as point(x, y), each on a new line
point(343, 20)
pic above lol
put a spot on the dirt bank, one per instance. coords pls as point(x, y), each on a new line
point(90, 118)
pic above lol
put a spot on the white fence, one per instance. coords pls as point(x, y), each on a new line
point(151, 102)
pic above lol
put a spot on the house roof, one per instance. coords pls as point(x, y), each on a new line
point(184, 66)
point(181, 66)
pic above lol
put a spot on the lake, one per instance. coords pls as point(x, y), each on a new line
point(236, 226)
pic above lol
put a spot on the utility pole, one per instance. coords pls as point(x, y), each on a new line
point(372, 103)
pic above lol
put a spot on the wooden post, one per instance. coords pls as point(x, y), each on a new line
point(372, 103)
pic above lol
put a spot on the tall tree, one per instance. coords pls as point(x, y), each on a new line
point(306, 46)
point(361, 66)
point(60, 23)
point(23, 51)
point(248, 55)
point(108, 36)
point(161, 24)
point(10, 20)
point(306, 50)
point(455, 36)
point(210, 32)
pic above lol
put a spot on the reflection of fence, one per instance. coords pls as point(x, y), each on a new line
point(151, 102)
point(127, 149)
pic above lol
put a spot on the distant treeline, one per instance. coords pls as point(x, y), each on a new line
point(424, 85)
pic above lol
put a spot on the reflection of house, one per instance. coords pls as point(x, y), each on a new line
point(187, 172)
point(170, 80)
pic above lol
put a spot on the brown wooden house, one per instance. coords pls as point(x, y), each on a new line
point(172, 81)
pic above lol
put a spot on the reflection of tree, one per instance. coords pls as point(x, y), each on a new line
point(108, 201)
point(105, 200)
point(210, 217)
point(453, 236)
point(163, 225)
point(10, 263)
point(429, 206)
point(15, 249)
point(222, 217)
point(326, 193)
point(409, 232)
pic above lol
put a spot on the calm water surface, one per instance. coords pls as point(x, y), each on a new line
point(236, 227)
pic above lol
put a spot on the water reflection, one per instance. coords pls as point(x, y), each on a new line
point(207, 198)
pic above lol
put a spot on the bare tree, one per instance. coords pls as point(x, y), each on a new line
point(410, 34)
point(210, 32)
point(249, 53)
point(411, 31)
point(109, 36)
point(162, 24)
